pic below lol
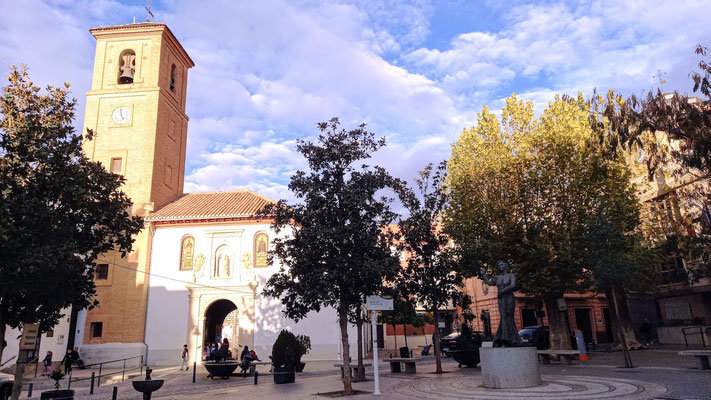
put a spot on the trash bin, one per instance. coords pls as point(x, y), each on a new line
point(404, 352)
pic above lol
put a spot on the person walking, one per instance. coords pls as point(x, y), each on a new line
point(184, 356)
point(47, 364)
point(67, 361)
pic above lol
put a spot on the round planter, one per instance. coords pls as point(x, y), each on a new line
point(221, 369)
point(58, 394)
point(283, 374)
point(300, 367)
point(468, 358)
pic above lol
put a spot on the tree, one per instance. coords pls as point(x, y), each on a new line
point(334, 251)
point(59, 211)
point(431, 272)
point(525, 190)
point(404, 314)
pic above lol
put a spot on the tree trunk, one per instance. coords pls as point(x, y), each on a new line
point(3, 343)
point(558, 322)
point(360, 375)
point(395, 335)
point(438, 356)
point(404, 330)
point(343, 322)
point(19, 374)
point(625, 320)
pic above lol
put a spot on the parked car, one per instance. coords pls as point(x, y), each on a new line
point(540, 336)
point(536, 335)
point(6, 381)
point(452, 341)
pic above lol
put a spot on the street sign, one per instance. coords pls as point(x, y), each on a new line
point(30, 332)
point(377, 303)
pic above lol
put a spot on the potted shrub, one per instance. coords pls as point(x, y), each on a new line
point(304, 347)
point(468, 352)
point(56, 393)
point(285, 355)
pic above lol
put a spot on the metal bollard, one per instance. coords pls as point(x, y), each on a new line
point(115, 394)
point(256, 376)
point(29, 391)
point(194, 370)
point(91, 390)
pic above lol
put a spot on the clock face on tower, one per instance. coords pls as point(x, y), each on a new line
point(121, 115)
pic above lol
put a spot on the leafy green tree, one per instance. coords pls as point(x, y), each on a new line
point(404, 314)
point(333, 249)
point(59, 211)
point(529, 190)
point(431, 273)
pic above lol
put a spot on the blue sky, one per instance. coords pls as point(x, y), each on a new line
point(416, 72)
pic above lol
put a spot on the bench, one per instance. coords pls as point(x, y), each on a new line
point(702, 357)
point(565, 355)
point(353, 368)
point(410, 364)
point(254, 364)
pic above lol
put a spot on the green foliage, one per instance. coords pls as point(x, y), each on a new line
point(333, 251)
point(430, 276)
point(551, 197)
point(403, 313)
point(59, 209)
point(286, 351)
point(56, 376)
point(304, 345)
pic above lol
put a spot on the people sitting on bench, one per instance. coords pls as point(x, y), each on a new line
point(246, 359)
point(426, 350)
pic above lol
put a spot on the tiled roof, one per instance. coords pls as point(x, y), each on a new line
point(242, 203)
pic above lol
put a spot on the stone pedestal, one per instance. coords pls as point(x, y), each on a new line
point(509, 367)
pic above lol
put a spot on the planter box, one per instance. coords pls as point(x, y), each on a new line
point(58, 394)
point(469, 358)
point(283, 374)
point(221, 369)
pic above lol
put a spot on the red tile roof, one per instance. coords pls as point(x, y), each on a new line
point(242, 203)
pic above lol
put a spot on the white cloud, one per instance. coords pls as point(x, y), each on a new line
point(267, 71)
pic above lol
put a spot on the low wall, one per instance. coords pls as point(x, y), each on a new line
point(673, 335)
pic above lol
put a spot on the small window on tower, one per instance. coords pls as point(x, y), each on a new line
point(102, 272)
point(97, 329)
point(116, 165)
point(127, 67)
point(172, 77)
point(168, 175)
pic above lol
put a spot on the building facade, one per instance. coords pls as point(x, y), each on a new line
point(197, 270)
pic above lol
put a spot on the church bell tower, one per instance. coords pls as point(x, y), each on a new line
point(136, 109)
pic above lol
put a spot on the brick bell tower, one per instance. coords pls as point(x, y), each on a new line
point(136, 108)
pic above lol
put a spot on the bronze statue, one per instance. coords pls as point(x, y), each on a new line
point(506, 334)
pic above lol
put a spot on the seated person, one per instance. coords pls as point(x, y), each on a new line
point(426, 350)
point(253, 356)
point(246, 362)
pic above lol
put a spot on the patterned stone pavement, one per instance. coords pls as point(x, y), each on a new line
point(554, 387)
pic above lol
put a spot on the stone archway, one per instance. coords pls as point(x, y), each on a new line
point(221, 323)
point(208, 308)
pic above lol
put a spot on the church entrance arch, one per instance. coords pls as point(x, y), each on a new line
point(221, 322)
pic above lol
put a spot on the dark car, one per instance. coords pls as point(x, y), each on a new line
point(536, 335)
point(540, 336)
point(452, 341)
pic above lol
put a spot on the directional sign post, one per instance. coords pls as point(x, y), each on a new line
point(375, 304)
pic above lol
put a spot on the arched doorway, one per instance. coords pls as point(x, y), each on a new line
point(221, 321)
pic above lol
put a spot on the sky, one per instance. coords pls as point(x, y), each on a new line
point(416, 72)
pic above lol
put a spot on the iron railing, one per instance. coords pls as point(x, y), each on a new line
point(96, 379)
point(696, 330)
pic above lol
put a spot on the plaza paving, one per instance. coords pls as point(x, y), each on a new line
point(661, 374)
